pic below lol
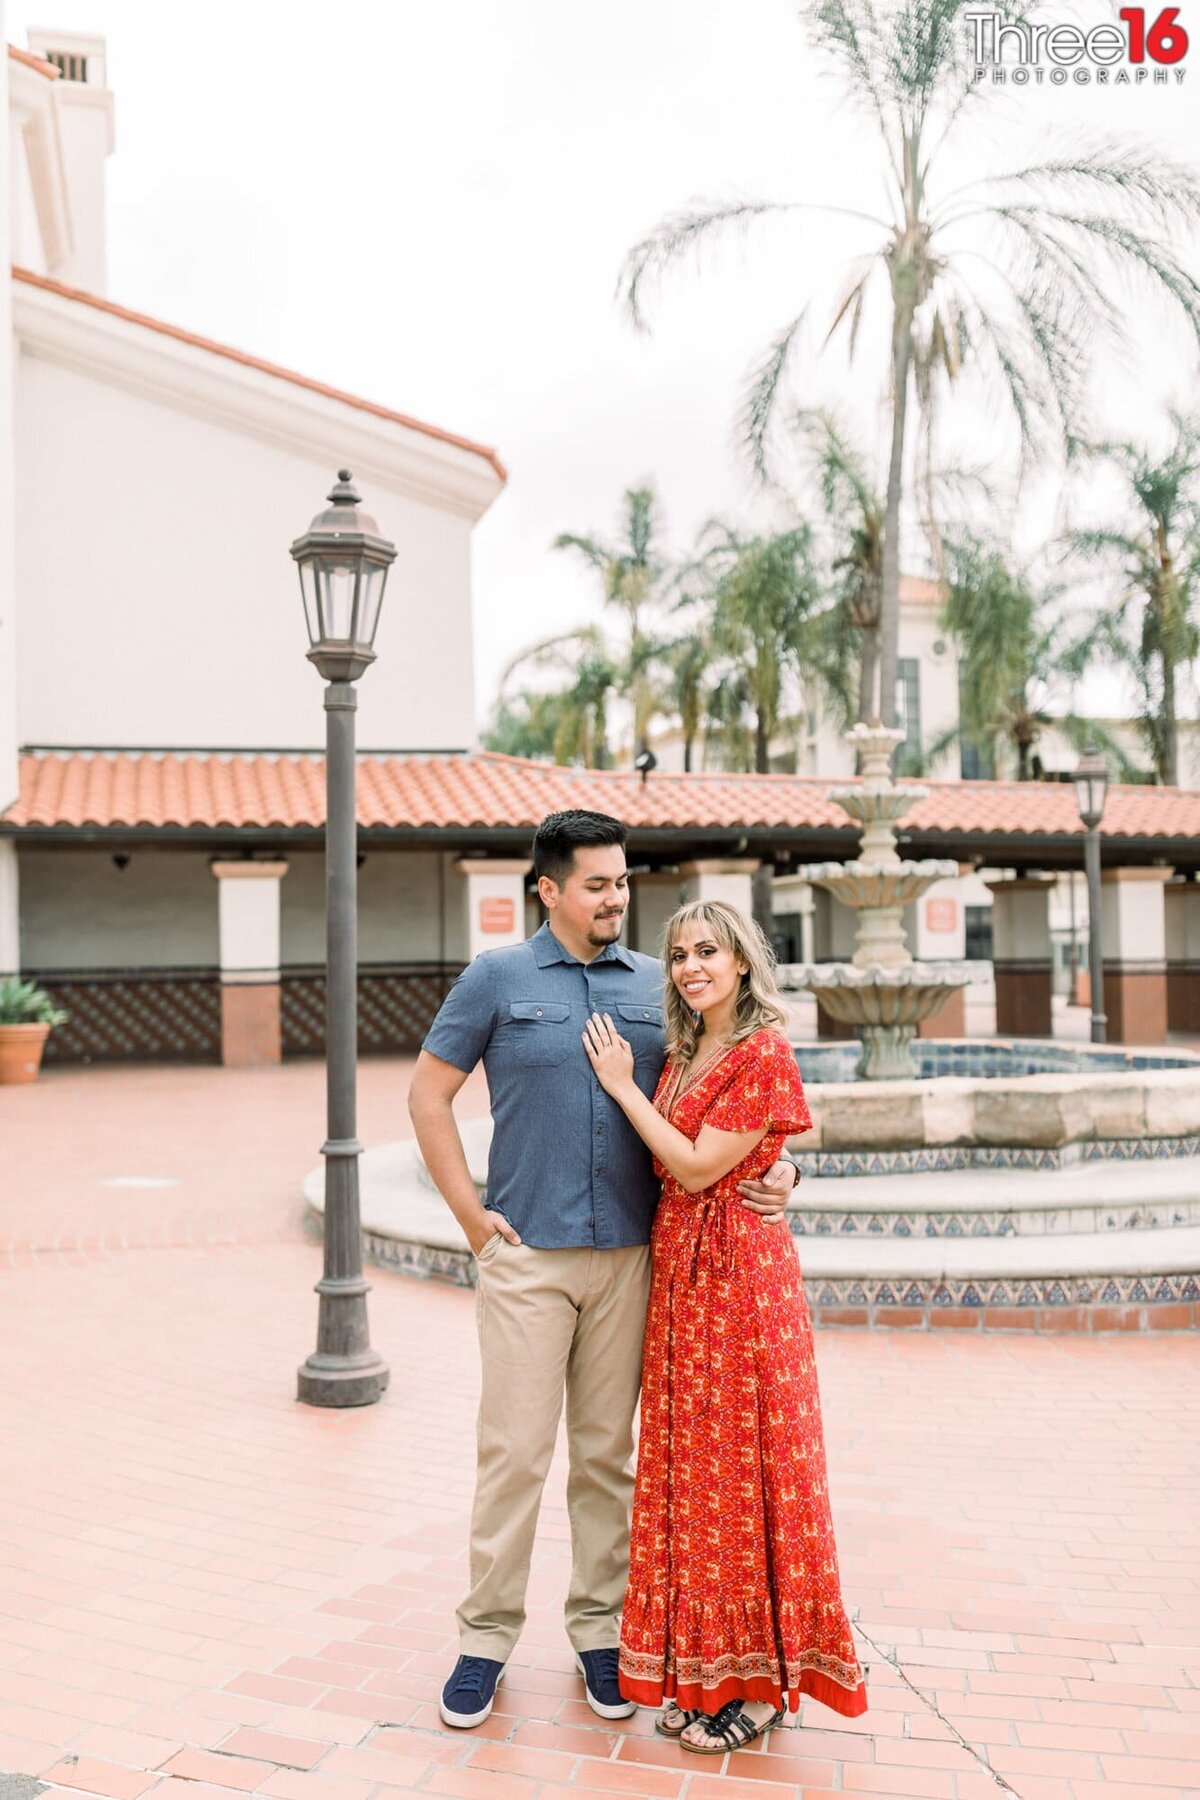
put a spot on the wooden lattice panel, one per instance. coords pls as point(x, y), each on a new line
point(135, 1018)
point(395, 1009)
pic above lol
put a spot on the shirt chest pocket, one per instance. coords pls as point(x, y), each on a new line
point(539, 1031)
point(643, 1027)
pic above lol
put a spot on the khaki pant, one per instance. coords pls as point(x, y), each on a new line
point(552, 1321)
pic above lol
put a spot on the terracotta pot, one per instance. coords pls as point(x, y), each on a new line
point(21, 1049)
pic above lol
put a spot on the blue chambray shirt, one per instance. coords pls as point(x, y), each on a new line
point(567, 1169)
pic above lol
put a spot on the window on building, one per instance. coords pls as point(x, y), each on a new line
point(975, 764)
point(908, 713)
point(979, 933)
point(69, 66)
point(788, 936)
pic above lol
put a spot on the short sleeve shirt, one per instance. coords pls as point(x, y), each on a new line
point(566, 1168)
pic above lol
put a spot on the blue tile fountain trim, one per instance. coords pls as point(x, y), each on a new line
point(1050, 1290)
point(990, 1057)
point(930, 1294)
point(934, 1159)
point(916, 1222)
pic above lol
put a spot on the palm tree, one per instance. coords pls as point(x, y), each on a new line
point(1152, 626)
point(686, 665)
point(568, 724)
point(764, 596)
point(728, 737)
point(1014, 655)
point(631, 573)
point(856, 513)
point(1010, 276)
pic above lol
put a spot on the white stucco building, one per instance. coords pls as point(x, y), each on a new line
point(151, 483)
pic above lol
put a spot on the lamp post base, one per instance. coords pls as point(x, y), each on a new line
point(341, 1380)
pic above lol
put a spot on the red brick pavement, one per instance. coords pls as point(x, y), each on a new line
point(207, 1590)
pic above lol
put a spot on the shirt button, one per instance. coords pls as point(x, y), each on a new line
point(538, 1014)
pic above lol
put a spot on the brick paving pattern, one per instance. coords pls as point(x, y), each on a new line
point(208, 1591)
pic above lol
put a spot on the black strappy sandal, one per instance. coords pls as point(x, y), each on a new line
point(732, 1728)
point(672, 1731)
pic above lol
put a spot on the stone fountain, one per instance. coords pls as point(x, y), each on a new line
point(882, 992)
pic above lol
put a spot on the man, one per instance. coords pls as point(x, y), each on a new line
point(562, 1248)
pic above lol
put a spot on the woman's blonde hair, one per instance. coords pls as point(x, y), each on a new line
point(758, 1002)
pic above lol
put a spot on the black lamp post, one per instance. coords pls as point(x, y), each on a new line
point(1091, 789)
point(343, 564)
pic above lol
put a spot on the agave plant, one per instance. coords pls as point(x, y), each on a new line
point(24, 1003)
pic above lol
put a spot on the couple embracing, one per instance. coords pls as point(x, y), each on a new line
point(634, 1237)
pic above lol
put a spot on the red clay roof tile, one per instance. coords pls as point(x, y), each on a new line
point(138, 789)
point(32, 61)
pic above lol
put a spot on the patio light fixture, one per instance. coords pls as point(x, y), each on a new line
point(1091, 791)
point(343, 563)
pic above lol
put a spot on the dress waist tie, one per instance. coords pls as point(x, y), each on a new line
point(715, 1254)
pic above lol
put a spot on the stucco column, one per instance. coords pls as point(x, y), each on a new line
point(1133, 937)
point(1182, 901)
point(936, 925)
point(495, 893)
point(248, 901)
point(833, 940)
point(654, 896)
point(1022, 957)
point(10, 912)
point(731, 880)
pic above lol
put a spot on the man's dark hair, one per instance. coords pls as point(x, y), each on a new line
point(563, 833)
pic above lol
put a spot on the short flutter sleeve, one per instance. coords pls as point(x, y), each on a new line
point(764, 1092)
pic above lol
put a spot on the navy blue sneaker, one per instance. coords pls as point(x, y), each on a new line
point(604, 1696)
point(468, 1695)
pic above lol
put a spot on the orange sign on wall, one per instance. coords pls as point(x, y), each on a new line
point(497, 915)
point(941, 914)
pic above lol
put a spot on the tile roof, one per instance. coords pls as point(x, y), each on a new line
point(256, 362)
point(32, 61)
point(217, 789)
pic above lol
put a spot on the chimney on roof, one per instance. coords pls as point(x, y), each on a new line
point(86, 120)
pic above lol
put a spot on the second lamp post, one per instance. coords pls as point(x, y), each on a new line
point(1091, 789)
point(343, 564)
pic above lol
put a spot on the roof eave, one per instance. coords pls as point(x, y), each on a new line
point(164, 363)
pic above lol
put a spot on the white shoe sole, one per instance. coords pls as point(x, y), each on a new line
point(624, 1711)
point(464, 1721)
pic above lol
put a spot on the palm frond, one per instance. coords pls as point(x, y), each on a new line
point(763, 391)
point(1136, 254)
point(1140, 176)
point(849, 32)
point(680, 235)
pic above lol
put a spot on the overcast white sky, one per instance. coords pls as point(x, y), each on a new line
point(428, 204)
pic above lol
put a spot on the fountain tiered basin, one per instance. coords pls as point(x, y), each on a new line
point(882, 992)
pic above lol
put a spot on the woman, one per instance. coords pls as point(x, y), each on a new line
point(733, 1609)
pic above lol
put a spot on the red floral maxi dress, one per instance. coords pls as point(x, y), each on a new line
point(733, 1577)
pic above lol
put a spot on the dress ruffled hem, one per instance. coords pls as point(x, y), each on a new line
point(851, 1703)
point(702, 1654)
